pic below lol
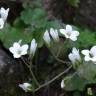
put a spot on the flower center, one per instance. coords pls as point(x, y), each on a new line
point(19, 51)
point(68, 33)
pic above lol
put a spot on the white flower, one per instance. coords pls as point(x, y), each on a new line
point(69, 33)
point(54, 34)
point(90, 55)
point(4, 13)
point(46, 37)
point(74, 56)
point(1, 23)
point(33, 47)
point(62, 84)
point(25, 86)
point(18, 50)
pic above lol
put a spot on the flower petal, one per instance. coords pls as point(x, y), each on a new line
point(16, 55)
point(72, 57)
point(46, 37)
point(62, 31)
point(93, 50)
point(76, 33)
point(87, 58)
point(68, 28)
point(16, 45)
point(4, 13)
point(12, 50)
point(85, 52)
point(62, 84)
point(54, 34)
point(73, 37)
point(24, 49)
point(1, 23)
point(76, 53)
point(33, 47)
point(94, 59)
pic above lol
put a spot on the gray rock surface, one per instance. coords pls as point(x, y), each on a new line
point(11, 74)
point(86, 13)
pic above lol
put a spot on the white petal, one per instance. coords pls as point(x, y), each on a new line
point(94, 59)
point(46, 37)
point(76, 53)
point(33, 47)
point(72, 58)
point(87, 58)
point(1, 23)
point(23, 87)
point(16, 55)
point(54, 34)
point(27, 85)
point(24, 49)
point(12, 50)
point(73, 37)
point(62, 84)
point(85, 52)
point(16, 45)
point(68, 28)
point(62, 31)
point(4, 13)
point(76, 33)
point(93, 50)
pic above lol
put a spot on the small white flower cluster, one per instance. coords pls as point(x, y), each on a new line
point(54, 34)
point(17, 50)
point(68, 32)
point(25, 86)
point(3, 16)
point(74, 57)
point(89, 55)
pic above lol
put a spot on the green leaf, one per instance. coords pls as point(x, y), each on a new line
point(30, 16)
point(87, 71)
point(86, 38)
point(74, 83)
point(19, 24)
point(9, 35)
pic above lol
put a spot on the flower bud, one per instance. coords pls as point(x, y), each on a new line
point(33, 47)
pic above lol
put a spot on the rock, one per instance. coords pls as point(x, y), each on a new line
point(83, 15)
point(11, 74)
point(86, 14)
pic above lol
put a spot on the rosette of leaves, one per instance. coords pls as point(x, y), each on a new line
point(32, 23)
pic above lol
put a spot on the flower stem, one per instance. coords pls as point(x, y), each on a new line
point(37, 83)
point(59, 60)
point(52, 80)
point(31, 72)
